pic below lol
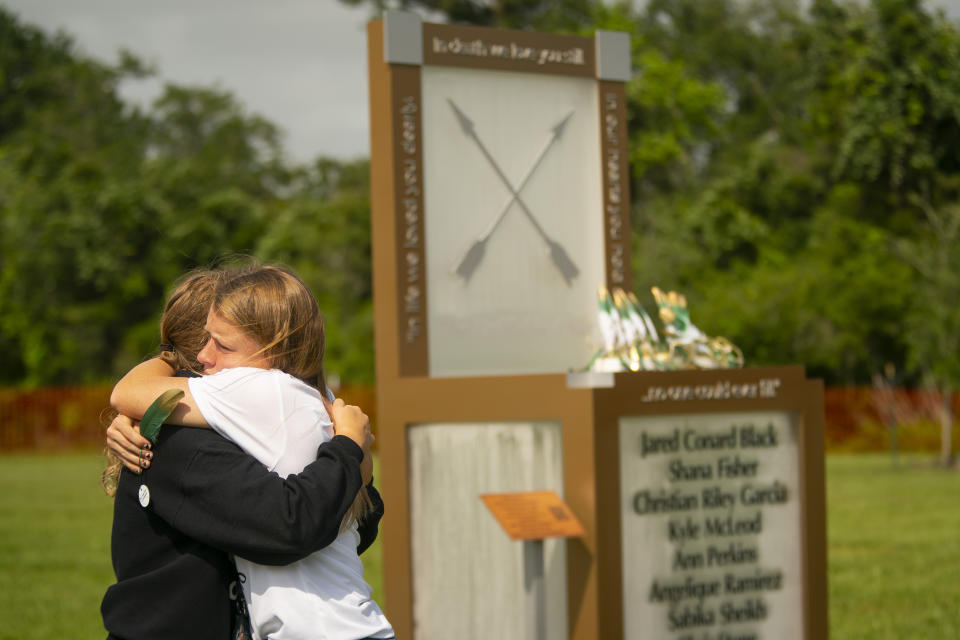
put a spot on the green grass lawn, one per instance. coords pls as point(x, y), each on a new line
point(55, 547)
point(894, 548)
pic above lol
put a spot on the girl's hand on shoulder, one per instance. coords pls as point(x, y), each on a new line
point(350, 420)
point(125, 441)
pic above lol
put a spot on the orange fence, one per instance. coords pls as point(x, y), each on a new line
point(857, 418)
point(53, 418)
point(68, 417)
point(862, 419)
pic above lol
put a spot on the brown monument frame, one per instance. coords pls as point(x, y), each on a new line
point(588, 415)
point(396, 168)
point(589, 419)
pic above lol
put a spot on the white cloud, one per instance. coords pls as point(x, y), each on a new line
point(300, 63)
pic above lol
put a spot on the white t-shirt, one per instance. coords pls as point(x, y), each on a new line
point(280, 420)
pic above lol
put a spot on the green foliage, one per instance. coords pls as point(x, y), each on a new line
point(738, 46)
point(63, 166)
point(830, 168)
point(794, 174)
point(670, 113)
point(102, 207)
point(896, 97)
point(933, 322)
point(323, 233)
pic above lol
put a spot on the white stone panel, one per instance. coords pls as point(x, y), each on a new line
point(467, 574)
point(516, 313)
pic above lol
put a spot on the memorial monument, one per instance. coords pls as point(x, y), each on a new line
point(500, 201)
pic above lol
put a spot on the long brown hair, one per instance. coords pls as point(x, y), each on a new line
point(181, 326)
point(181, 339)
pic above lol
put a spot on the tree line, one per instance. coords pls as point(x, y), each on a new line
point(795, 173)
point(103, 205)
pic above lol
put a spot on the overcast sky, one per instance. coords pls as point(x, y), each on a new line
point(300, 63)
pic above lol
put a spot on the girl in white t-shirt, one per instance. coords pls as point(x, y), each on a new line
point(265, 354)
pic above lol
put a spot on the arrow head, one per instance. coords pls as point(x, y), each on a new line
point(465, 123)
point(563, 262)
point(470, 261)
point(558, 129)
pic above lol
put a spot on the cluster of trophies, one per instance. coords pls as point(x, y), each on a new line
point(631, 341)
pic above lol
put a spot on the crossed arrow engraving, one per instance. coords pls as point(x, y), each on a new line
point(474, 254)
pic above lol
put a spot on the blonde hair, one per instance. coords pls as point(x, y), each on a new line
point(275, 307)
point(181, 326)
point(181, 337)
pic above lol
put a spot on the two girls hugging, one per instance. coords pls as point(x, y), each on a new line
point(266, 471)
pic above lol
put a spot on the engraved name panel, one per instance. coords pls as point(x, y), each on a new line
point(711, 527)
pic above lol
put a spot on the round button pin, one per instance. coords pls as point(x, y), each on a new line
point(144, 495)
